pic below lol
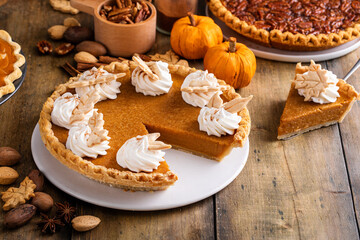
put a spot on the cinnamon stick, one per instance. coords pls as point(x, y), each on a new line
point(108, 59)
point(87, 66)
point(70, 69)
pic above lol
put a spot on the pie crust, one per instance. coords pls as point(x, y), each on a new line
point(283, 40)
point(16, 73)
point(124, 179)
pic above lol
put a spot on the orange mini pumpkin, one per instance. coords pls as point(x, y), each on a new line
point(193, 35)
point(232, 62)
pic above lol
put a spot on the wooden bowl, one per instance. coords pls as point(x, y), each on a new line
point(120, 39)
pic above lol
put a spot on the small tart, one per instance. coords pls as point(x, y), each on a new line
point(274, 33)
point(132, 114)
point(10, 61)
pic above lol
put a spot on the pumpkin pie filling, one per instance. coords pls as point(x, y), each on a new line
point(7, 60)
point(168, 114)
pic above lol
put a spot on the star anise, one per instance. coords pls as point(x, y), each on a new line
point(49, 224)
point(65, 211)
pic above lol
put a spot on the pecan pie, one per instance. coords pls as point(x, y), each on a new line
point(132, 114)
point(10, 61)
point(298, 25)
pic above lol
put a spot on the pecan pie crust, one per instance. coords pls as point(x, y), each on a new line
point(290, 26)
point(10, 63)
point(123, 178)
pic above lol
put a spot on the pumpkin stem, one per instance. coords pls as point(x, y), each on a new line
point(192, 19)
point(232, 44)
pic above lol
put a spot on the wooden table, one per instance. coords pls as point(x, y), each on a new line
point(304, 188)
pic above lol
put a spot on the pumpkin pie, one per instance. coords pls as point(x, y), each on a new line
point(10, 61)
point(133, 114)
point(300, 116)
point(300, 25)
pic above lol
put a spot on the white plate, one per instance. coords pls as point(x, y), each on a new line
point(199, 178)
point(283, 55)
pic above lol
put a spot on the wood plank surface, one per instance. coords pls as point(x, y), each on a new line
point(303, 188)
point(294, 189)
point(20, 114)
point(350, 128)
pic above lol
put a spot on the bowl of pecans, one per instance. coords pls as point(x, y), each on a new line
point(125, 27)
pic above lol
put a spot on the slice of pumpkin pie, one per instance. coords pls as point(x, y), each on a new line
point(317, 98)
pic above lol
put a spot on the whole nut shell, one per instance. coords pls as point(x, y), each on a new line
point(85, 223)
point(43, 201)
point(71, 22)
point(95, 48)
point(8, 175)
point(85, 57)
point(57, 32)
point(38, 178)
point(9, 156)
point(78, 34)
point(19, 215)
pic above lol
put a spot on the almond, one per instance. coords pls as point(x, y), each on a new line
point(85, 57)
point(43, 201)
point(8, 175)
point(57, 32)
point(85, 223)
point(71, 22)
point(19, 215)
point(9, 156)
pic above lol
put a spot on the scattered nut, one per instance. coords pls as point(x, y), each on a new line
point(9, 156)
point(85, 57)
point(38, 178)
point(57, 32)
point(85, 223)
point(8, 175)
point(63, 6)
point(95, 48)
point(78, 34)
point(43, 201)
point(44, 47)
point(19, 215)
point(71, 22)
point(64, 49)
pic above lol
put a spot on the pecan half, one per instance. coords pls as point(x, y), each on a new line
point(44, 47)
point(64, 49)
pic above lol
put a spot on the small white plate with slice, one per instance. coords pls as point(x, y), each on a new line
point(199, 178)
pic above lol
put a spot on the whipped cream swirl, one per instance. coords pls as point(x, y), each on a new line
point(106, 90)
point(63, 110)
point(199, 79)
point(144, 84)
point(77, 142)
point(329, 94)
point(218, 121)
point(136, 156)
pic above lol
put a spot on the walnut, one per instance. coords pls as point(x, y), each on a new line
point(44, 47)
point(13, 197)
point(64, 49)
